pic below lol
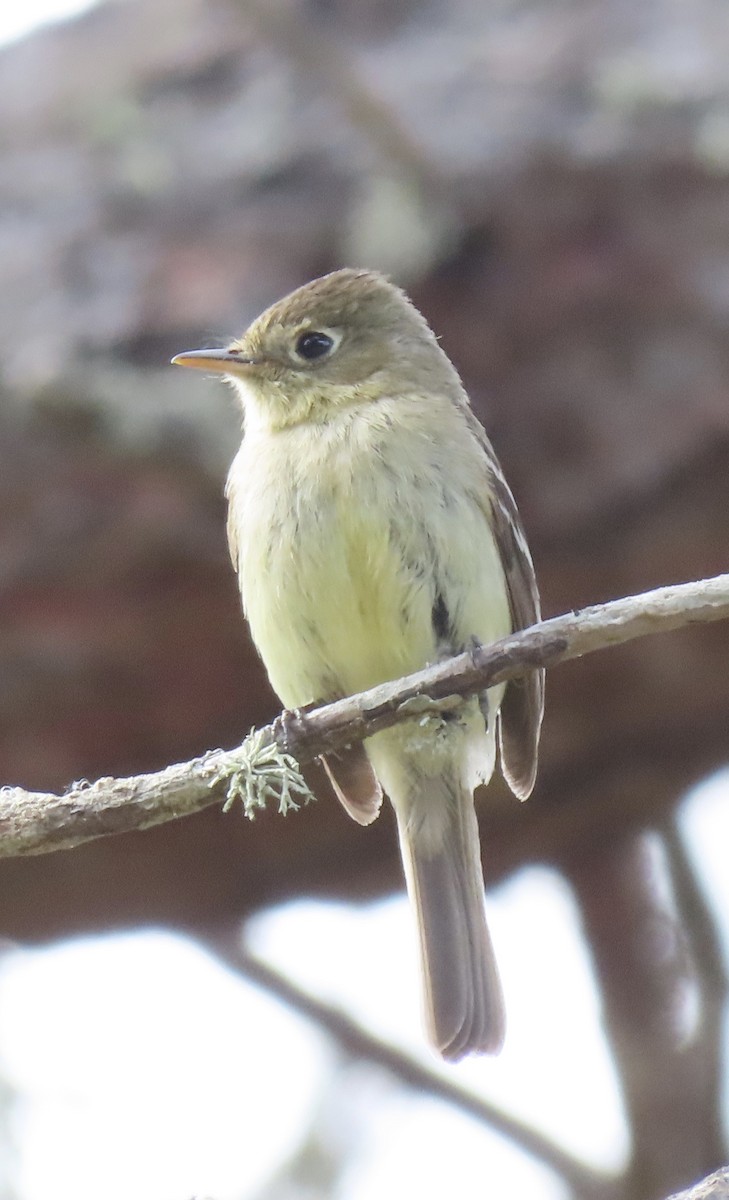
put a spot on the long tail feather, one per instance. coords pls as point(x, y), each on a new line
point(462, 993)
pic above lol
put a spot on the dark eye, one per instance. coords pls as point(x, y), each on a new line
point(313, 344)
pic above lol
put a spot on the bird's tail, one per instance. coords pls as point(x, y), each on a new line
point(439, 842)
point(462, 993)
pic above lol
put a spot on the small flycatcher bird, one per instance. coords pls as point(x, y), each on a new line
point(373, 532)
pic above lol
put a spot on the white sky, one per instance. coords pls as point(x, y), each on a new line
point(17, 19)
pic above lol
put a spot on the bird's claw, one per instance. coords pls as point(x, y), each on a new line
point(285, 727)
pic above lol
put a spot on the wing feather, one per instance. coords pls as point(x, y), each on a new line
point(354, 782)
point(522, 708)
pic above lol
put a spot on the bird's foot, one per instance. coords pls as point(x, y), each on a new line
point(286, 725)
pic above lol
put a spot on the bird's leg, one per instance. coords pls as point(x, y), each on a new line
point(288, 723)
point(483, 697)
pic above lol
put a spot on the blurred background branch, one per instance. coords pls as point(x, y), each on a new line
point(578, 1177)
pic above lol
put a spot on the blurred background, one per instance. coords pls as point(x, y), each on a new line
point(550, 181)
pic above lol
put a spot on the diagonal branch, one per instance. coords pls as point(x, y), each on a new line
point(583, 1181)
point(320, 57)
point(38, 822)
point(707, 1050)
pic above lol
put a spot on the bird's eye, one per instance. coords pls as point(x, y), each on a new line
point(313, 344)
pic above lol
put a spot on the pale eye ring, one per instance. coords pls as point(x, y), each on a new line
point(313, 344)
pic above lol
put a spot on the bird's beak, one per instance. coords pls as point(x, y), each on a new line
point(223, 361)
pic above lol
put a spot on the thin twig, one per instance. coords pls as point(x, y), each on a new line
point(321, 58)
point(38, 822)
point(584, 1182)
point(699, 925)
point(696, 915)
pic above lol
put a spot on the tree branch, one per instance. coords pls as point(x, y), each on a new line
point(705, 948)
point(583, 1181)
point(319, 56)
point(714, 1187)
point(38, 822)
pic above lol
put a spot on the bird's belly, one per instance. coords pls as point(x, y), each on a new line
point(349, 567)
point(334, 609)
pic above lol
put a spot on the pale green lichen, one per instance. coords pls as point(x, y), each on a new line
point(259, 772)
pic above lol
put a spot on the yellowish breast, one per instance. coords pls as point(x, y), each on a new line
point(345, 535)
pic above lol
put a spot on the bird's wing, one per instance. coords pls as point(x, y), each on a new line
point(522, 708)
point(354, 782)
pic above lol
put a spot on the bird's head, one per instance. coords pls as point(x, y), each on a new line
point(350, 337)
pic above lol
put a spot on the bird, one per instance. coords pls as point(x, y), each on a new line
point(373, 532)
